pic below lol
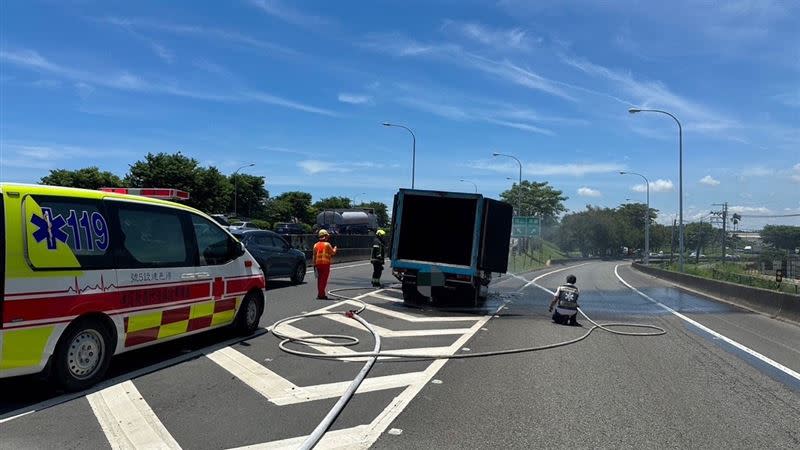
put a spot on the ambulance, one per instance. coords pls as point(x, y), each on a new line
point(90, 274)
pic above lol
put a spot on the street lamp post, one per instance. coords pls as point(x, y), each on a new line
point(413, 149)
point(519, 197)
point(646, 217)
point(470, 182)
point(236, 186)
point(680, 178)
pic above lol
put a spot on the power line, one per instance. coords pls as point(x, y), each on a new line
point(770, 217)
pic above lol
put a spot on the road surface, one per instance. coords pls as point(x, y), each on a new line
point(720, 377)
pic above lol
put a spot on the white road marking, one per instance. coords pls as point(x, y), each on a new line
point(348, 438)
point(412, 318)
point(386, 297)
point(702, 327)
point(385, 332)
point(127, 420)
point(533, 281)
point(363, 436)
point(281, 391)
point(11, 415)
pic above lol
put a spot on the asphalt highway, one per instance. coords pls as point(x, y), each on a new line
point(720, 377)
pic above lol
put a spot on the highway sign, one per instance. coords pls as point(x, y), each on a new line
point(525, 226)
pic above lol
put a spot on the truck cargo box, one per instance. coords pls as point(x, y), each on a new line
point(452, 229)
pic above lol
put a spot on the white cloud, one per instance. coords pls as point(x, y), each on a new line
point(655, 186)
point(130, 82)
point(215, 34)
point(288, 14)
point(162, 52)
point(354, 99)
point(536, 169)
point(795, 173)
point(312, 166)
point(588, 192)
point(757, 171)
point(695, 116)
point(398, 45)
point(496, 38)
point(750, 209)
point(456, 107)
point(709, 181)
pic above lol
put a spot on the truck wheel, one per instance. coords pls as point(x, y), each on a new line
point(82, 355)
point(249, 315)
point(411, 295)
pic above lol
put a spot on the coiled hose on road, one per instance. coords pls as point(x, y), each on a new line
point(339, 340)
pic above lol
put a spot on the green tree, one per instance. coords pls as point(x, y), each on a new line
point(699, 234)
point(297, 206)
point(596, 231)
point(784, 237)
point(332, 203)
point(535, 199)
point(210, 191)
point(251, 197)
point(86, 178)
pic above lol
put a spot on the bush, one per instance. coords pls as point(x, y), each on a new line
point(262, 224)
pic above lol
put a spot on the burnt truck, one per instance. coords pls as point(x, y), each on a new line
point(447, 245)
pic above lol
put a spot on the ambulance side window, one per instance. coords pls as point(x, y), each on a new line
point(214, 245)
point(152, 236)
point(55, 224)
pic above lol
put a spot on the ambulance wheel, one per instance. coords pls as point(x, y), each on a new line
point(249, 315)
point(299, 273)
point(82, 355)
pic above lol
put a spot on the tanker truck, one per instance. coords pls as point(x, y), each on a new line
point(348, 221)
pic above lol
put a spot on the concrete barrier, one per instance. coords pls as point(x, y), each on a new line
point(346, 255)
point(776, 304)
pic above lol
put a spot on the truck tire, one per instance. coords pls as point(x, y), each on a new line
point(83, 354)
point(411, 295)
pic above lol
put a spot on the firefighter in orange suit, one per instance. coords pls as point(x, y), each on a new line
point(321, 260)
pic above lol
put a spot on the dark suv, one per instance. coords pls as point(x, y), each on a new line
point(289, 228)
point(275, 256)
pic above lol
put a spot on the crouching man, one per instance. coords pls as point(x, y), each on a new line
point(566, 303)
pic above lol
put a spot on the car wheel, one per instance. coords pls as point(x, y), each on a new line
point(249, 315)
point(299, 273)
point(82, 355)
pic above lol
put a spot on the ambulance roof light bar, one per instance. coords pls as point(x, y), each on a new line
point(160, 193)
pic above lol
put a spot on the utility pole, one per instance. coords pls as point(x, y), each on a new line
point(724, 230)
point(724, 215)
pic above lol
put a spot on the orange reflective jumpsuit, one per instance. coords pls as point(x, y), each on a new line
point(322, 258)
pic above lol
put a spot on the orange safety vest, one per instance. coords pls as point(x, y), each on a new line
point(323, 252)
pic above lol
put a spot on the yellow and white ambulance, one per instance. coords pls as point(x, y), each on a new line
point(90, 274)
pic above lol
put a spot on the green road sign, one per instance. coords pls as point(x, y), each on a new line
point(525, 226)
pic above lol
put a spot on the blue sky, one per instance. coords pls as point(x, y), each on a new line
point(301, 88)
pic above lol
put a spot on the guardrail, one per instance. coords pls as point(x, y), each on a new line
point(350, 247)
point(776, 304)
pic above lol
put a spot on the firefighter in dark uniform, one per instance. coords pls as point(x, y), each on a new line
point(566, 303)
point(378, 256)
